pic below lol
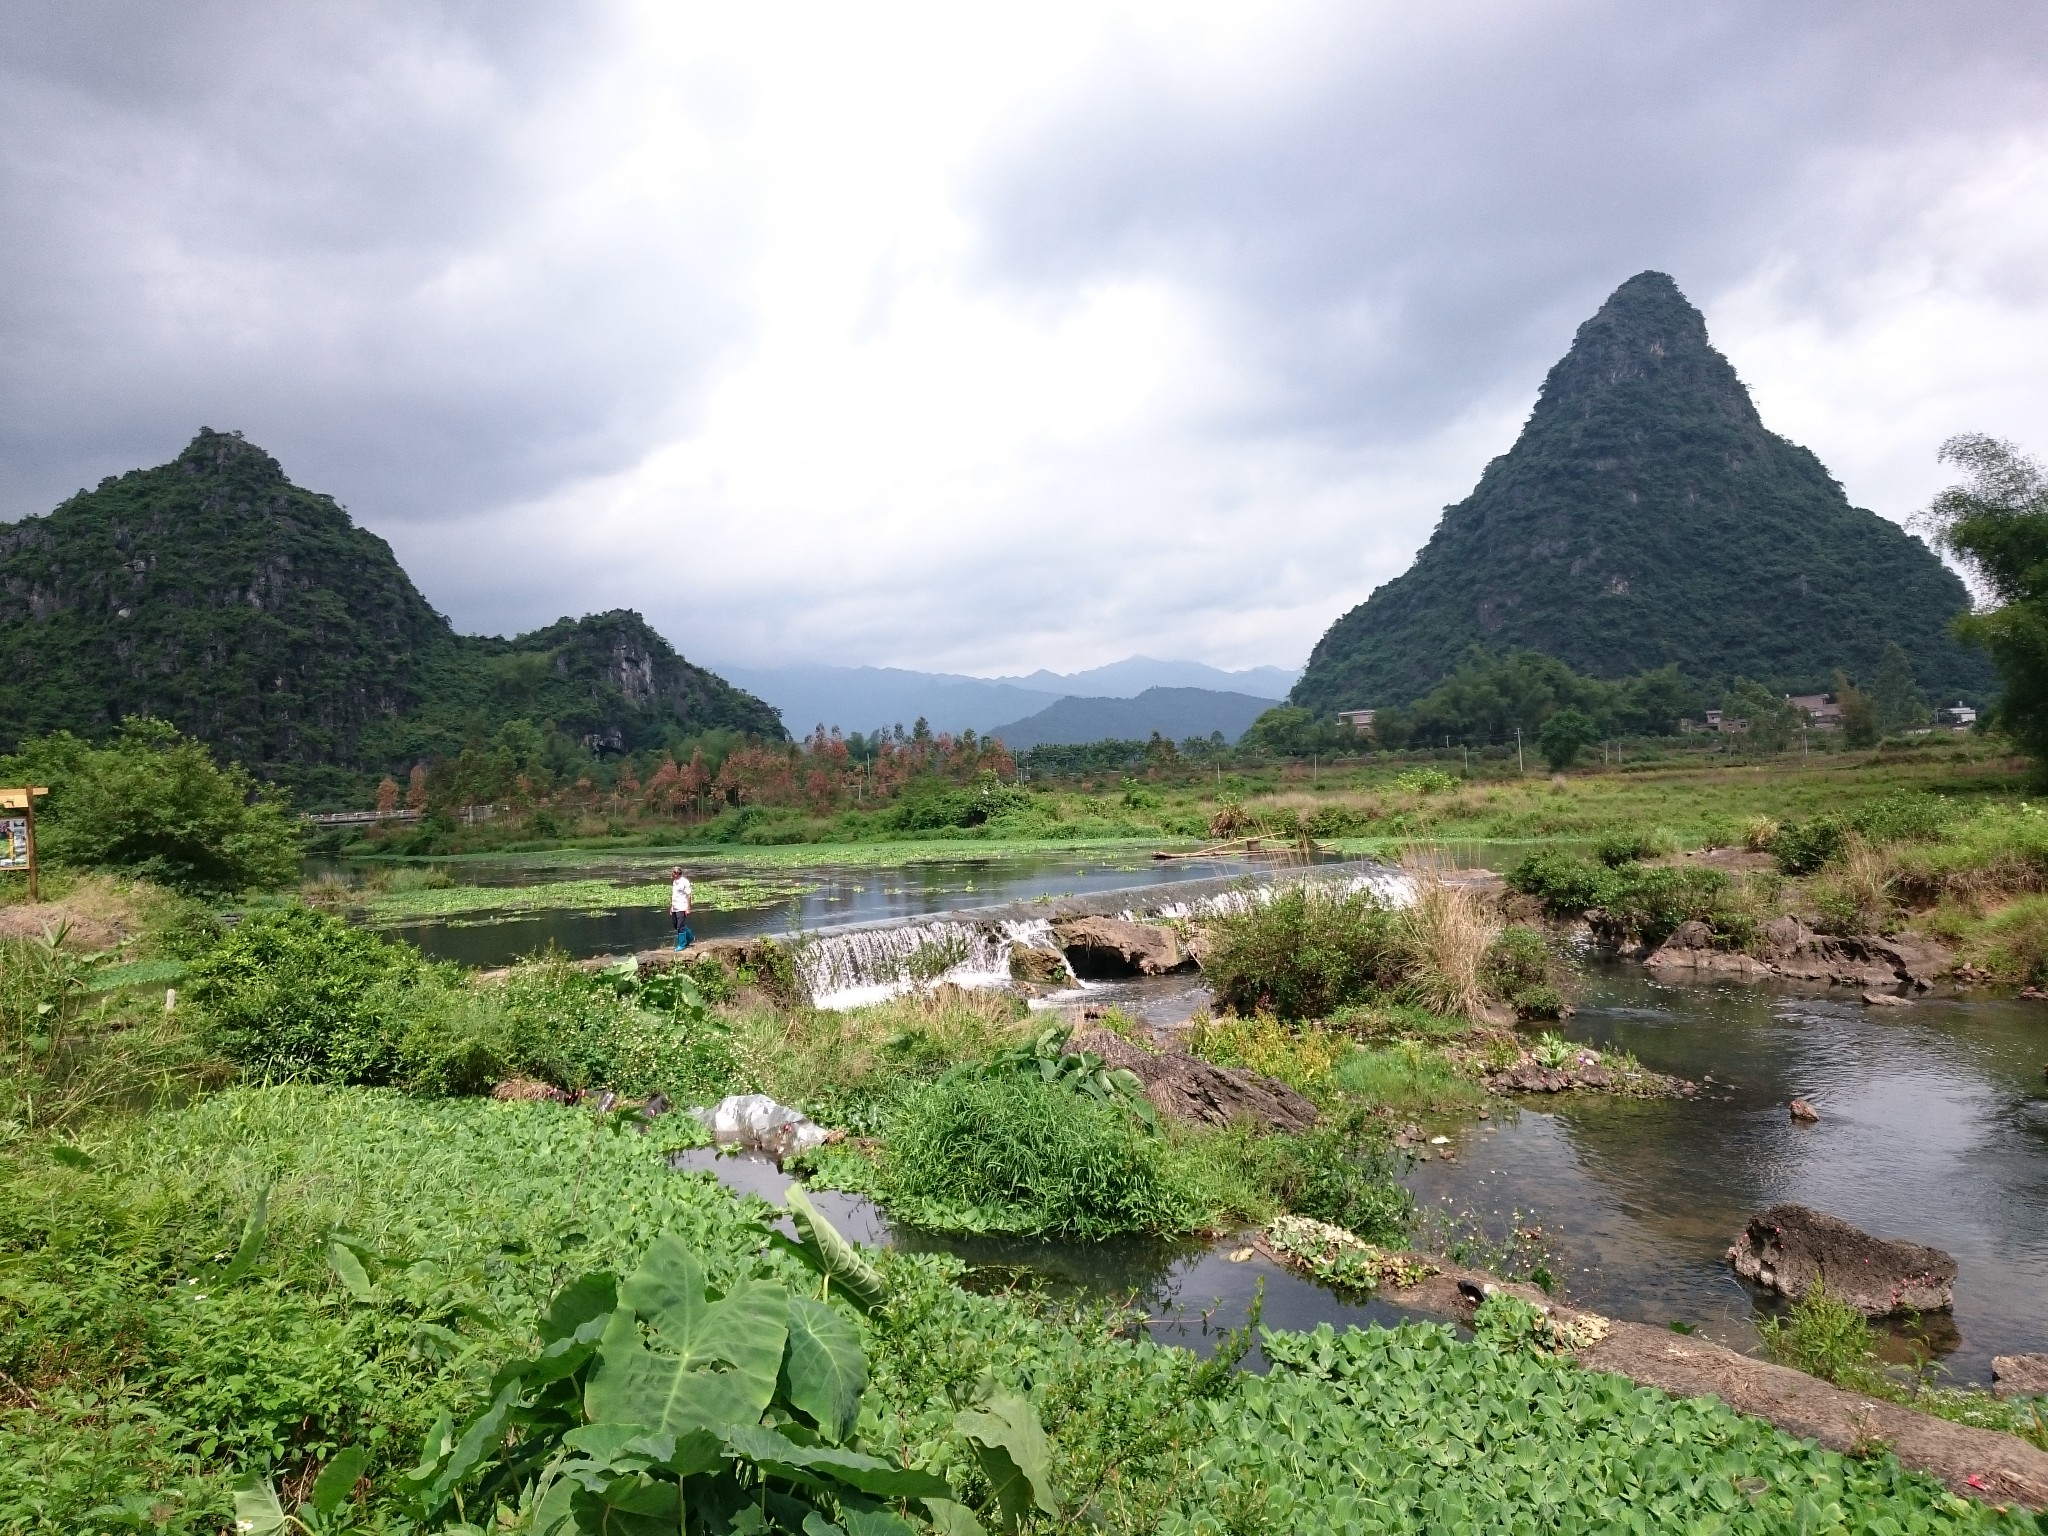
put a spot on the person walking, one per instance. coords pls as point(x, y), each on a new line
point(679, 906)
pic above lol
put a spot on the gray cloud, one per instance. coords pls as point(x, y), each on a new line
point(1429, 206)
point(350, 232)
point(424, 254)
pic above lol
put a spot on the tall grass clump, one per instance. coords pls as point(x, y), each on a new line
point(1450, 935)
point(1012, 1155)
point(1307, 952)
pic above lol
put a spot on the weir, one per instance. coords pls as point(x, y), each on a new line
point(853, 964)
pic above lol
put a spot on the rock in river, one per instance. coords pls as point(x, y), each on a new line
point(1788, 1248)
point(2019, 1375)
point(1109, 946)
point(1187, 1088)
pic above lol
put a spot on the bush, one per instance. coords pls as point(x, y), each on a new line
point(1306, 953)
point(1335, 1173)
point(1521, 970)
point(295, 993)
point(1565, 884)
point(1564, 736)
point(578, 1029)
point(1801, 847)
point(1619, 848)
point(1013, 1155)
point(1638, 902)
point(154, 803)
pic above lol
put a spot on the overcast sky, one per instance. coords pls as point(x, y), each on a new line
point(976, 338)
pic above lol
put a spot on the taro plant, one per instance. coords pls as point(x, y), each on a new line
point(1045, 1057)
point(661, 1404)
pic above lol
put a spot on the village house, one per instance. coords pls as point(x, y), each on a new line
point(1360, 720)
point(1823, 710)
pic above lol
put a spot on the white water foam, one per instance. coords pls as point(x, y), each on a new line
point(871, 965)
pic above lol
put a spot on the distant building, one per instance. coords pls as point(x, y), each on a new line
point(1958, 714)
point(1822, 709)
point(1360, 720)
point(1716, 721)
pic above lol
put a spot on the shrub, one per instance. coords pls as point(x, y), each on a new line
point(296, 993)
point(1626, 847)
point(1013, 1155)
point(1306, 952)
point(1426, 781)
point(1565, 884)
point(578, 1029)
point(1521, 970)
point(154, 803)
point(1801, 847)
point(1825, 1337)
point(1336, 1174)
point(1638, 902)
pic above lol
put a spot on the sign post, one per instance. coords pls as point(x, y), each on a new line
point(18, 833)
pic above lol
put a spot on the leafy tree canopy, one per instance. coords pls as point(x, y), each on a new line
point(1565, 735)
point(154, 803)
point(1996, 524)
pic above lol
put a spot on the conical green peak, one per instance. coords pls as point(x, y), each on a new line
point(1646, 342)
point(1644, 518)
point(214, 452)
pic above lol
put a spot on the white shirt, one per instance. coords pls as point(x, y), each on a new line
point(679, 894)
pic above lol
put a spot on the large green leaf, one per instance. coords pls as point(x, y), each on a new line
point(592, 1296)
point(950, 1518)
point(251, 1245)
point(825, 1370)
point(779, 1456)
point(257, 1512)
point(1015, 1456)
point(337, 1480)
point(839, 1261)
point(726, 1354)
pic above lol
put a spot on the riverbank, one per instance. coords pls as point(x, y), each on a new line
point(457, 1218)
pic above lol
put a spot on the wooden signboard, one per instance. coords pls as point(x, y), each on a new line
point(18, 833)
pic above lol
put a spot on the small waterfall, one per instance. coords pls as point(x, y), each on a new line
point(850, 970)
point(870, 965)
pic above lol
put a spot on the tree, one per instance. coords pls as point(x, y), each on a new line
point(154, 803)
point(1565, 735)
point(1894, 694)
point(1996, 524)
point(1859, 713)
point(1772, 720)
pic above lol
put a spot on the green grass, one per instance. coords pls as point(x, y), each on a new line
point(1407, 1078)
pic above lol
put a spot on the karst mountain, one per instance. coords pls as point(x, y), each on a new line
point(1646, 516)
point(213, 593)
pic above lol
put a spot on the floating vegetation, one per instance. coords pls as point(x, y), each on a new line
point(1337, 1257)
point(427, 904)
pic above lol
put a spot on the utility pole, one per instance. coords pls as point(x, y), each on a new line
point(1520, 767)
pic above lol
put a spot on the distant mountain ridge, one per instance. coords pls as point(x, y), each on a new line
point(862, 698)
point(255, 615)
point(1646, 516)
point(1175, 713)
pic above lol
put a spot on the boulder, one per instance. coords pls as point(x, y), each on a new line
point(1197, 1092)
point(1040, 967)
point(1109, 946)
point(1690, 947)
point(1804, 1112)
point(2019, 1375)
point(1788, 1248)
point(1885, 1000)
point(1784, 936)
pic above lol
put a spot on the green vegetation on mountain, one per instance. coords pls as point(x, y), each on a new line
point(214, 594)
point(1647, 518)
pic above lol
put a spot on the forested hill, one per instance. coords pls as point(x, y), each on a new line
point(1647, 516)
point(214, 593)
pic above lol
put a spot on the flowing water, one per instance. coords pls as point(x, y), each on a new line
point(1934, 1127)
point(834, 896)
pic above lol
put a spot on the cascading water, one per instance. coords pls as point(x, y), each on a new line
point(849, 970)
point(869, 965)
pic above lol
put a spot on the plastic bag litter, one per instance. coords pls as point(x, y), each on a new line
point(757, 1122)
